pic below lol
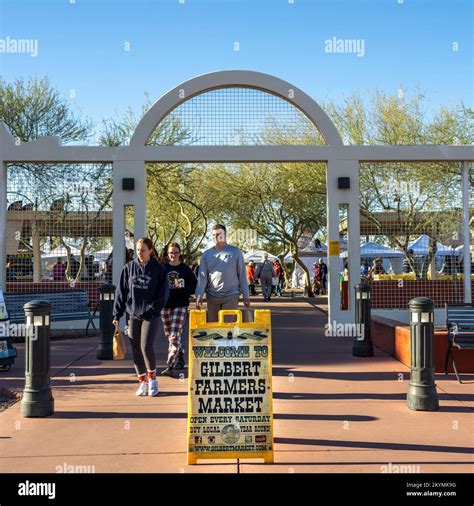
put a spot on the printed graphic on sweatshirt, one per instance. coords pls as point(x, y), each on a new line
point(172, 277)
point(141, 281)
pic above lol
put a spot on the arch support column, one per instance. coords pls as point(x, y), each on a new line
point(335, 197)
point(123, 198)
point(3, 225)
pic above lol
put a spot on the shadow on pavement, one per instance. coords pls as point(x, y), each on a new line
point(375, 446)
point(347, 395)
point(349, 418)
point(71, 415)
point(358, 463)
point(344, 376)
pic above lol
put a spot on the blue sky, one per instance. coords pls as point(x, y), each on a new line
point(82, 46)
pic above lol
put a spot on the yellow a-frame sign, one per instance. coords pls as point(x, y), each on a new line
point(230, 411)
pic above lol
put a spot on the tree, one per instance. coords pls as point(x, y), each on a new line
point(281, 202)
point(422, 197)
point(32, 109)
point(176, 199)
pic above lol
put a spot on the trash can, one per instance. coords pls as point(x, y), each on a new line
point(7, 350)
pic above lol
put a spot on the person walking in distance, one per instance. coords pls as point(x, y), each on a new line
point(277, 282)
point(251, 277)
point(142, 292)
point(222, 276)
point(320, 270)
point(266, 272)
point(59, 271)
point(182, 284)
point(324, 276)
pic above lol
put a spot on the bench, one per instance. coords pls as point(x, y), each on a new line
point(66, 305)
point(460, 324)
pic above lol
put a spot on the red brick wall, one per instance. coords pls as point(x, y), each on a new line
point(394, 338)
point(395, 295)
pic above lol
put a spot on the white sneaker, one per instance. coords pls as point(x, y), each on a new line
point(153, 388)
point(143, 388)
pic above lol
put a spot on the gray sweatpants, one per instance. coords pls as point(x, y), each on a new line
point(142, 337)
point(215, 304)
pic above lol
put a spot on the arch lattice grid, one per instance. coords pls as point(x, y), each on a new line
point(236, 116)
point(412, 232)
point(59, 214)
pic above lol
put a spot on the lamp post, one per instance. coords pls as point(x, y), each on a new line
point(106, 328)
point(422, 395)
point(37, 398)
point(362, 346)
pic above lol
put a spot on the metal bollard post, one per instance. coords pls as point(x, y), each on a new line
point(106, 329)
point(362, 346)
point(422, 395)
point(37, 398)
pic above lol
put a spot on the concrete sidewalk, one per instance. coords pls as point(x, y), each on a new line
point(333, 412)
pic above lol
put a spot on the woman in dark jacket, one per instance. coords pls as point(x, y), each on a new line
point(142, 293)
point(182, 284)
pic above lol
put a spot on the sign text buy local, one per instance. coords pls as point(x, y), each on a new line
point(230, 388)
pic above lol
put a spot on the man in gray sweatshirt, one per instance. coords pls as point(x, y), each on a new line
point(222, 276)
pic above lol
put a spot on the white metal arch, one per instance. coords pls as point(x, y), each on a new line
point(130, 160)
point(235, 79)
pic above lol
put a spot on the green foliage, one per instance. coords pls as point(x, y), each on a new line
point(422, 198)
point(176, 205)
point(33, 108)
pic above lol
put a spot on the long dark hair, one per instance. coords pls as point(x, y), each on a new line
point(150, 246)
point(165, 257)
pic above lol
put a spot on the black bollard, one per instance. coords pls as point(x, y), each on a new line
point(422, 395)
point(362, 346)
point(37, 398)
point(106, 329)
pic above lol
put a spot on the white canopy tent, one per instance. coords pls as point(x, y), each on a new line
point(101, 256)
point(421, 246)
point(309, 256)
point(372, 250)
point(257, 256)
point(311, 252)
point(49, 259)
point(60, 252)
point(391, 257)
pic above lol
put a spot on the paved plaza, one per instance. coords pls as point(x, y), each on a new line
point(333, 412)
